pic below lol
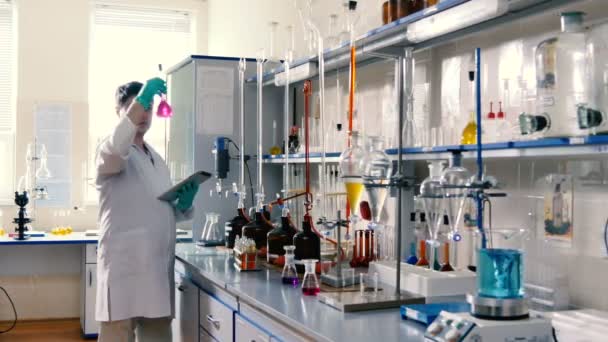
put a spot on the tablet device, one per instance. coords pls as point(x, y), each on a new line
point(197, 177)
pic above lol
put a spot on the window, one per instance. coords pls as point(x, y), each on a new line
point(7, 113)
point(128, 44)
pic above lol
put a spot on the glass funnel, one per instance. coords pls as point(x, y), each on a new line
point(500, 269)
point(350, 169)
point(289, 275)
point(431, 194)
point(378, 169)
point(454, 180)
point(310, 284)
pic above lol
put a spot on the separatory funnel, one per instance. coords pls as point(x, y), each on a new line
point(350, 169)
point(432, 196)
point(376, 177)
point(454, 182)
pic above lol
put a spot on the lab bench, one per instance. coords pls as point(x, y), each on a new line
point(256, 306)
point(88, 269)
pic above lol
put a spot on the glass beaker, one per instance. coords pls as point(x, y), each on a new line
point(500, 270)
point(289, 275)
point(279, 237)
point(350, 169)
point(310, 284)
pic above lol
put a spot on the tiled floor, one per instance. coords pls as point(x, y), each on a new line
point(43, 331)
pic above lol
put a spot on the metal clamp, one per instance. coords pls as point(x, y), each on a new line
point(215, 322)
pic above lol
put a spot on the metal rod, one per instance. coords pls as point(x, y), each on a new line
point(479, 145)
point(339, 266)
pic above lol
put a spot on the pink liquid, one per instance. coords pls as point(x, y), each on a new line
point(311, 291)
point(291, 281)
point(164, 109)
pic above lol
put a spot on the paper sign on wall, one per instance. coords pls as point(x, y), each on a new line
point(559, 208)
point(215, 100)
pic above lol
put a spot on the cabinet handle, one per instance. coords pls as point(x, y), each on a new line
point(90, 278)
point(181, 288)
point(215, 322)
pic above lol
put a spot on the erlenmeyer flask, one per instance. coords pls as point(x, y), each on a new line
point(206, 226)
point(289, 275)
point(164, 110)
point(310, 284)
point(454, 181)
point(378, 169)
point(431, 194)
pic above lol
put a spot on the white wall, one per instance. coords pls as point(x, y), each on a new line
point(241, 28)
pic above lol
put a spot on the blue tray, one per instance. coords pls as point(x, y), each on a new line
point(426, 313)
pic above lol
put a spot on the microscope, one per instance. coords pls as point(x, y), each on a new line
point(21, 199)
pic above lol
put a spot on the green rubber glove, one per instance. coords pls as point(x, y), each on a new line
point(185, 196)
point(154, 86)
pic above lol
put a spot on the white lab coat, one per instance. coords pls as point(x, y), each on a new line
point(137, 231)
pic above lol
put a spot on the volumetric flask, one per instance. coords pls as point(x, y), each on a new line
point(500, 268)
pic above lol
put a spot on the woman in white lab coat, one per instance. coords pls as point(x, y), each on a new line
point(137, 231)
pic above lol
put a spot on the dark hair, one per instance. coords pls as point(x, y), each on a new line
point(126, 91)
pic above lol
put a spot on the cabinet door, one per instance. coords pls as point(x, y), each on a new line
point(216, 318)
point(90, 278)
point(185, 325)
point(205, 337)
point(247, 332)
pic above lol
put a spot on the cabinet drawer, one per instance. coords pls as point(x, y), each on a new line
point(91, 253)
point(216, 318)
point(247, 332)
point(205, 337)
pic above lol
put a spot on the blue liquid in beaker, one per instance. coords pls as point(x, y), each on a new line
point(500, 273)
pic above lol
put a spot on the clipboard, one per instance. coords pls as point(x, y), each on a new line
point(197, 177)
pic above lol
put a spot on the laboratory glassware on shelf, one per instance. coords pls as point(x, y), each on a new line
point(289, 276)
point(280, 237)
point(393, 10)
point(560, 80)
point(592, 116)
point(469, 133)
point(310, 283)
point(275, 149)
point(377, 171)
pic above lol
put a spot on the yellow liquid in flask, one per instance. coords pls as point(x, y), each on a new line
point(354, 191)
point(469, 133)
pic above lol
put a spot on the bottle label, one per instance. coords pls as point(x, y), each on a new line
point(272, 256)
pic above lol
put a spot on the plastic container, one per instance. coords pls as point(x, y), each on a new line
point(561, 82)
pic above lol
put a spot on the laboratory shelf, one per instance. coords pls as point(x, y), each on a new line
point(540, 148)
point(389, 40)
